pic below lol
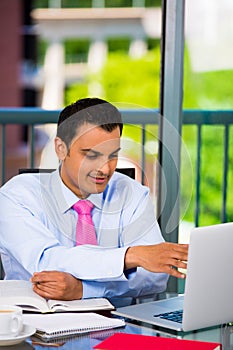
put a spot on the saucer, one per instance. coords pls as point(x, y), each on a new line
point(26, 332)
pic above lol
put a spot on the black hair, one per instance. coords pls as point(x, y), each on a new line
point(87, 110)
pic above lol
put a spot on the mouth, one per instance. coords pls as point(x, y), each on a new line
point(100, 180)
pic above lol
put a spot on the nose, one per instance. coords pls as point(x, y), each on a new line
point(104, 168)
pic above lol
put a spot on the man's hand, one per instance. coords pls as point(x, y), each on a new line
point(164, 257)
point(57, 285)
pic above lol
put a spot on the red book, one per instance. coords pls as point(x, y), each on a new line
point(123, 341)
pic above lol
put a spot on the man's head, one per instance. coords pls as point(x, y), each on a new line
point(87, 110)
point(87, 144)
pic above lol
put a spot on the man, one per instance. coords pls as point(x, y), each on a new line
point(38, 219)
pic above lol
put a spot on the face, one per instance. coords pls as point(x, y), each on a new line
point(91, 160)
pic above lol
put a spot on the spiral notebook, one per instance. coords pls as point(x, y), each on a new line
point(49, 326)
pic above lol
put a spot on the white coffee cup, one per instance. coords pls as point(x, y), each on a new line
point(11, 321)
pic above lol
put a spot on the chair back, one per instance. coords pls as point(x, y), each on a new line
point(126, 171)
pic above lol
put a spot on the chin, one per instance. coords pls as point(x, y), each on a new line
point(99, 189)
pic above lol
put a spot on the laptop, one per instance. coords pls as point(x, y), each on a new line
point(208, 295)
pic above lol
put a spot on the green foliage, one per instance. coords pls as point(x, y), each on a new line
point(76, 92)
point(42, 47)
point(208, 90)
point(40, 3)
point(118, 44)
point(131, 83)
point(107, 3)
point(212, 163)
point(134, 81)
point(76, 50)
point(118, 3)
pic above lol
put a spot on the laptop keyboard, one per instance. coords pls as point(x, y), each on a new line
point(175, 316)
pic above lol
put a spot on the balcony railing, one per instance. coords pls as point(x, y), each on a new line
point(32, 117)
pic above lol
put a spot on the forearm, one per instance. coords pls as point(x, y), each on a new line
point(36, 249)
point(87, 262)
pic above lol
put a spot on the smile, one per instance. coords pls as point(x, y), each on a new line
point(99, 179)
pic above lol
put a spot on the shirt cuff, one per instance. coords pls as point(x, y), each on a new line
point(93, 290)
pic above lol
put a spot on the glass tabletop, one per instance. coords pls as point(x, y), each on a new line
point(221, 334)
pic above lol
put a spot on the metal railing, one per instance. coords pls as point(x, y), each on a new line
point(32, 117)
point(200, 119)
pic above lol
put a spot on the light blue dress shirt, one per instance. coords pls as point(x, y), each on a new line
point(38, 227)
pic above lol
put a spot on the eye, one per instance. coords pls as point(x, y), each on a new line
point(91, 156)
point(113, 156)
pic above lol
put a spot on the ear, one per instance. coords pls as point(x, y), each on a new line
point(60, 148)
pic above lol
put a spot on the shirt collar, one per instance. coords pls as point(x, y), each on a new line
point(66, 198)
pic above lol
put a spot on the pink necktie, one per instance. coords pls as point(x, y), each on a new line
point(85, 230)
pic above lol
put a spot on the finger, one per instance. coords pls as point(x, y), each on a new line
point(179, 264)
point(47, 290)
point(175, 262)
point(44, 293)
point(45, 276)
point(46, 286)
point(174, 272)
point(39, 277)
point(177, 251)
point(41, 288)
point(177, 246)
point(179, 255)
point(181, 248)
point(49, 293)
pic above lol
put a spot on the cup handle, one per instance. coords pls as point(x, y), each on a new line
point(16, 325)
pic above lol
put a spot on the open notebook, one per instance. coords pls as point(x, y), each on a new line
point(208, 297)
point(49, 326)
point(20, 293)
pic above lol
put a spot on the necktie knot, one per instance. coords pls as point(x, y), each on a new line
point(83, 207)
